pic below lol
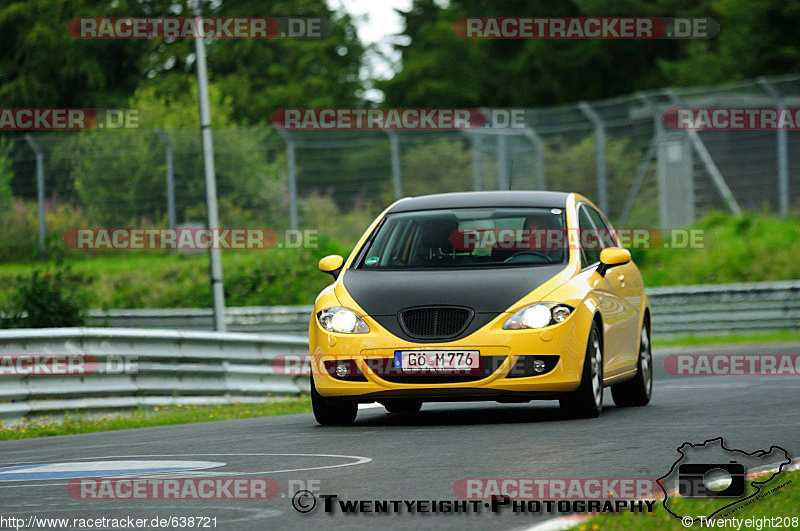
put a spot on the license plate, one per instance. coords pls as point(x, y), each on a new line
point(437, 360)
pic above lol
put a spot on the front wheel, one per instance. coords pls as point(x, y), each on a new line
point(332, 411)
point(587, 401)
point(637, 391)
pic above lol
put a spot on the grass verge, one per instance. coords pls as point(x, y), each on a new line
point(778, 336)
point(784, 502)
point(75, 422)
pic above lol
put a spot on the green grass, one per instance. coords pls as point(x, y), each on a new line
point(75, 422)
point(750, 248)
point(778, 336)
point(784, 502)
point(160, 280)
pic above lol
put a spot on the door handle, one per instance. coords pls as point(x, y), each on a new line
point(621, 278)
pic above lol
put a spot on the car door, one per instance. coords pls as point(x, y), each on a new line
point(626, 283)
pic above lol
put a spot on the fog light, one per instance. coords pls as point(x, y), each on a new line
point(538, 366)
point(342, 370)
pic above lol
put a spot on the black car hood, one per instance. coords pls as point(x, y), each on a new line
point(488, 292)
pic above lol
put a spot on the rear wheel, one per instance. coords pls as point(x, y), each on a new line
point(587, 401)
point(403, 406)
point(332, 411)
point(637, 391)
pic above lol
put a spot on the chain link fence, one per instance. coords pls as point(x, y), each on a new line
point(615, 151)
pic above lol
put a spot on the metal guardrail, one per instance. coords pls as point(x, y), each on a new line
point(679, 310)
point(254, 319)
point(148, 367)
point(725, 308)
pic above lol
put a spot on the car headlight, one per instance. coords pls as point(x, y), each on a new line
point(538, 315)
point(342, 320)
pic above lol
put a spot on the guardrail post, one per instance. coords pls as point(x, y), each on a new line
point(171, 223)
point(711, 167)
point(600, 148)
point(783, 151)
point(397, 176)
point(39, 184)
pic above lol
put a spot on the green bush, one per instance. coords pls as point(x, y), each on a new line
point(43, 299)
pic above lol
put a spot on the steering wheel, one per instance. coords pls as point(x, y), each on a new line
point(523, 253)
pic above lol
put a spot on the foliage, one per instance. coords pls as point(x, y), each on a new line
point(751, 248)
point(322, 214)
point(6, 173)
point(119, 176)
point(19, 226)
point(49, 297)
point(439, 69)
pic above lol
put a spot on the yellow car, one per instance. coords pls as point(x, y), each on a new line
point(504, 296)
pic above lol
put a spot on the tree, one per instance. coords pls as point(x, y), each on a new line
point(262, 75)
point(440, 69)
point(41, 65)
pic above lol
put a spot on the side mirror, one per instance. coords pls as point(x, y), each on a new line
point(612, 256)
point(332, 264)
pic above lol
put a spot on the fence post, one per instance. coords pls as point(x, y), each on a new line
point(600, 148)
point(215, 256)
point(658, 130)
point(171, 223)
point(397, 175)
point(477, 160)
point(503, 180)
point(294, 218)
point(538, 147)
point(39, 184)
point(783, 152)
point(705, 156)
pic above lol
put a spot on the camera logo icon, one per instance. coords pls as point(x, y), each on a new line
point(703, 480)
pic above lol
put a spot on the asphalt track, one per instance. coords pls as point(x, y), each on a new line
point(389, 457)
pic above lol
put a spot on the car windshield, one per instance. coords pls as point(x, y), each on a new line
point(464, 238)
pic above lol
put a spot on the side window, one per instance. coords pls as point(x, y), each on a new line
point(590, 246)
point(606, 236)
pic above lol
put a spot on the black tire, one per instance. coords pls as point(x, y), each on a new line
point(403, 406)
point(638, 390)
point(587, 400)
point(332, 411)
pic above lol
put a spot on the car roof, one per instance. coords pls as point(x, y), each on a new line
point(482, 199)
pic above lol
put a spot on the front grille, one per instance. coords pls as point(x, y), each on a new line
point(435, 322)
